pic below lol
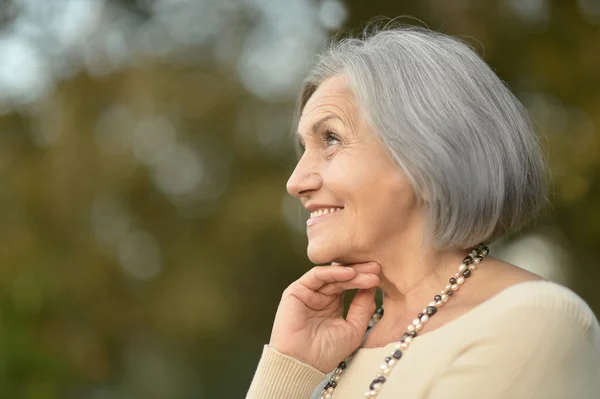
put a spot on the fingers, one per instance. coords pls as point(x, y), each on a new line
point(361, 281)
point(329, 281)
point(361, 309)
point(318, 276)
point(371, 267)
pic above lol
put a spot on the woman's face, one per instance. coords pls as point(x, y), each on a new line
point(344, 166)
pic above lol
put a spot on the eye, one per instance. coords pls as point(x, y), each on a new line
point(330, 138)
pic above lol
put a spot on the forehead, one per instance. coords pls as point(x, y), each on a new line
point(333, 96)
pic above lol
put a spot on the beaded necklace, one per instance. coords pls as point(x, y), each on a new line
point(465, 269)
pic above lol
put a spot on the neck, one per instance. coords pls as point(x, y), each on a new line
point(410, 278)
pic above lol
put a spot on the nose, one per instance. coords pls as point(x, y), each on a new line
point(305, 178)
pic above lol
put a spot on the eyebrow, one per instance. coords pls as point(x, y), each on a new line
point(317, 124)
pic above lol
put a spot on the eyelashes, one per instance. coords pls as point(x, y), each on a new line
point(328, 138)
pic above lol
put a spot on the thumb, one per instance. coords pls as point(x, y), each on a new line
point(361, 309)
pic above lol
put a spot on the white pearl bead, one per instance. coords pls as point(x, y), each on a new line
point(377, 387)
point(330, 389)
point(336, 378)
point(408, 340)
point(387, 371)
point(392, 362)
point(476, 261)
point(445, 298)
point(411, 328)
point(472, 267)
point(404, 346)
point(460, 280)
point(432, 303)
point(397, 346)
point(462, 268)
point(448, 287)
point(454, 287)
point(370, 394)
point(327, 395)
point(416, 321)
point(424, 319)
point(439, 304)
point(419, 327)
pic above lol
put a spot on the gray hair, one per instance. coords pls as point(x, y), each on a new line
point(463, 139)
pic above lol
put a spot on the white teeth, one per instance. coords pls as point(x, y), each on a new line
point(324, 211)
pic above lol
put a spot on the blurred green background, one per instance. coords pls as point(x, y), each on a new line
point(145, 231)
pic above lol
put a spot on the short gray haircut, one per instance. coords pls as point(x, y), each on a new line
point(463, 139)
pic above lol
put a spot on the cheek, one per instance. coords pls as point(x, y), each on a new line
point(388, 203)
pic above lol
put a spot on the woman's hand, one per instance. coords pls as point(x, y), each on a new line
point(309, 323)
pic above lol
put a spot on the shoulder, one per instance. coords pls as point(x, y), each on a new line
point(534, 339)
point(540, 316)
point(543, 300)
point(510, 292)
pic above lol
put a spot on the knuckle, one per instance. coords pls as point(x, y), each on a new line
point(290, 290)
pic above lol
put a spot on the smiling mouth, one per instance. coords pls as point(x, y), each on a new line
point(321, 214)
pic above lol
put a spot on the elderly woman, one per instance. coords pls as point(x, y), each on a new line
point(415, 155)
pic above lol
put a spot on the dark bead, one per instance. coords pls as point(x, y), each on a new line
point(419, 316)
point(413, 333)
point(342, 365)
point(327, 385)
point(332, 384)
point(479, 258)
point(378, 380)
point(450, 292)
point(380, 311)
point(485, 250)
point(406, 335)
point(397, 354)
point(437, 298)
point(468, 260)
point(387, 359)
point(452, 280)
point(431, 310)
point(467, 273)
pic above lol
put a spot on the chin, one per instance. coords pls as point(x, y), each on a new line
point(319, 255)
point(319, 258)
point(325, 255)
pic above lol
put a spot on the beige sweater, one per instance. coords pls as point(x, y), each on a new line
point(533, 340)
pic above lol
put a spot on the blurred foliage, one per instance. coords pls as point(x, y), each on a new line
point(145, 228)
